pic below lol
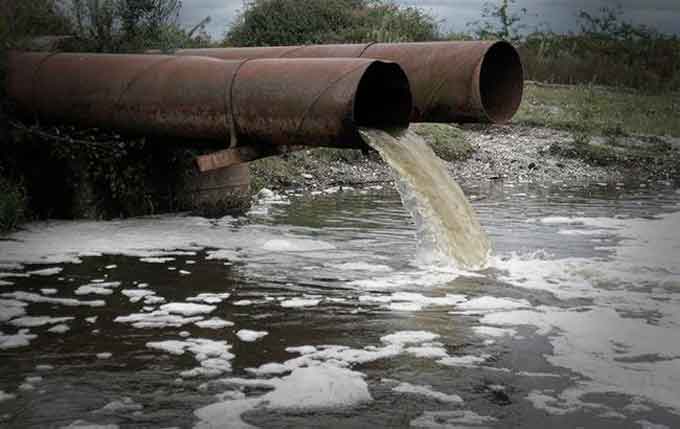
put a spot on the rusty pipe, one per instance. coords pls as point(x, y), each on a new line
point(313, 102)
point(450, 81)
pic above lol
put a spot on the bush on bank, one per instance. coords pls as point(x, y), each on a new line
point(297, 22)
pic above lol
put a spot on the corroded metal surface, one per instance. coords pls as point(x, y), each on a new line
point(311, 102)
point(240, 154)
point(450, 81)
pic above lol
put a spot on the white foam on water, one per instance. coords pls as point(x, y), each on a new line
point(303, 350)
point(484, 304)
point(136, 295)
point(459, 419)
point(35, 298)
point(428, 350)
point(48, 291)
point(59, 329)
point(361, 266)
point(612, 351)
point(322, 386)
point(242, 303)
point(269, 369)
point(187, 309)
point(468, 361)
point(156, 319)
point(6, 396)
point(46, 272)
point(409, 301)
point(223, 254)
point(565, 403)
point(319, 378)
point(296, 245)
point(20, 339)
point(82, 424)
point(36, 321)
point(428, 392)
point(491, 331)
point(145, 237)
point(10, 309)
point(214, 356)
point(157, 260)
point(427, 276)
point(595, 222)
point(214, 323)
point(409, 337)
point(124, 405)
point(646, 424)
point(300, 302)
point(248, 336)
point(97, 288)
point(104, 355)
point(209, 298)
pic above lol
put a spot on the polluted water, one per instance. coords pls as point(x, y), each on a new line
point(448, 230)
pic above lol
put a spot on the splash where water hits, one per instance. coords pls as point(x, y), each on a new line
point(447, 228)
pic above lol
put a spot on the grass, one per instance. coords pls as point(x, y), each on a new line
point(600, 110)
point(609, 127)
point(447, 141)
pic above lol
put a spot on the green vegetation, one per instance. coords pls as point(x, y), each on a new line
point(294, 22)
point(131, 25)
point(599, 110)
point(447, 141)
point(606, 51)
point(654, 155)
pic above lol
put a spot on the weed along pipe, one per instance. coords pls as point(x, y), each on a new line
point(450, 81)
point(262, 102)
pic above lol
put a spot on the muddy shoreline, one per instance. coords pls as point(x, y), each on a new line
point(513, 153)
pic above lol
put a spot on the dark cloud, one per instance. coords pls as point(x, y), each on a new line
point(558, 15)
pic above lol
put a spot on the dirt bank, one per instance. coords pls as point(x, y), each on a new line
point(517, 153)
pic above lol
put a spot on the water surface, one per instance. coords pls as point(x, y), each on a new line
point(315, 312)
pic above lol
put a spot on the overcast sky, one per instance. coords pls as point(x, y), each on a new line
point(558, 15)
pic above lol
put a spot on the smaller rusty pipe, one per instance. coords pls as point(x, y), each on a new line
point(458, 81)
point(317, 102)
point(450, 81)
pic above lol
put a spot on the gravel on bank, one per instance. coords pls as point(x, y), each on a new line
point(514, 153)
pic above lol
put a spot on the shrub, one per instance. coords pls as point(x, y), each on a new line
point(295, 22)
point(131, 25)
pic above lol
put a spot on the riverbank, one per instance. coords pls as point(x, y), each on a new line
point(560, 134)
point(515, 152)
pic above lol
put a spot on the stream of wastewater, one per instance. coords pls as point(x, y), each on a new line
point(321, 312)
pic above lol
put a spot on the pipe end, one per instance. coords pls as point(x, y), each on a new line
point(383, 99)
point(501, 82)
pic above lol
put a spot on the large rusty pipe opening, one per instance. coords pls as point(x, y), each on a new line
point(380, 100)
point(450, 81)
point(309, 102)
point(501, 82)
